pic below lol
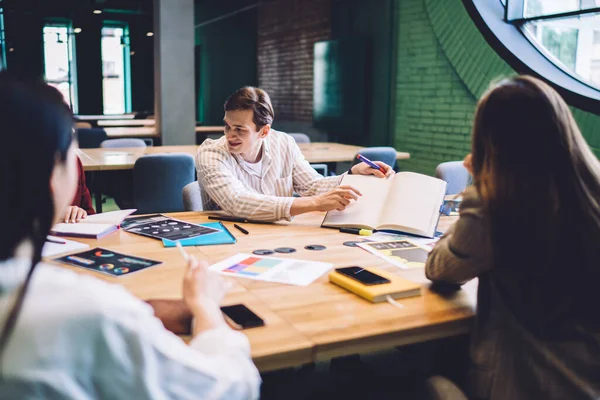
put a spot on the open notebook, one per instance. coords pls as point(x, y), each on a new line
point(407, 202)
point(93, 226)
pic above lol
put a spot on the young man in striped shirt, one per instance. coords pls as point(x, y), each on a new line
point(252, 171)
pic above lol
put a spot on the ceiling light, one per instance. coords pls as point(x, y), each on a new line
point(77, 30)
point(150, 34)
point(97, 11)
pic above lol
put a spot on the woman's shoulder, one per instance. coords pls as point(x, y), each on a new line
point(88, 294)
point(471, 202)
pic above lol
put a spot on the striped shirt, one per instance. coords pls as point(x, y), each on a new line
point(228, 183)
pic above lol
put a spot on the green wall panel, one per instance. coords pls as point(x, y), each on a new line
point(443, 66)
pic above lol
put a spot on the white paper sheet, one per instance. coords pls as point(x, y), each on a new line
point(51, 249)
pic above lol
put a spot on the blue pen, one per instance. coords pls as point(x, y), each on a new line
point(370, 163)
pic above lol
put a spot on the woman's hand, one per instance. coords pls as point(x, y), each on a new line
point(203, 291)
point(468, 163)
point(75, 214)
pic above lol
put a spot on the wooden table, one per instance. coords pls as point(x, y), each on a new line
point(131, 131)
point(210, 129)
point(303, 324)
point(103, 117)
point(125, 158)
point(127, 122)
point(133, 128)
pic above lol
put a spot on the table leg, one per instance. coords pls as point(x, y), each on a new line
point(98, 197)
point(97, 188)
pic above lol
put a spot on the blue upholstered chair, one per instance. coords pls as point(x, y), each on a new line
point(91, 138)
point(158, 181)
point(300, 137)
point(303, 138)
point(384, 154)
point(119, 143)
point(455, 173)
point(192, 197)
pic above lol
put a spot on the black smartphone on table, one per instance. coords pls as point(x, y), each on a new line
point(362, 275)
point(241, 317)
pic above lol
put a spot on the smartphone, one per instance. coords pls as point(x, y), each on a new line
point(241, 317)
point(362, 275)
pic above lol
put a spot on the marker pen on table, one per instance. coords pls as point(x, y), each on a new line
point(239, 228)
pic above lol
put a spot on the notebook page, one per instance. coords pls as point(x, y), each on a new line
point(413, 202)
point(82, 228)
point(61, 245)
point(365, 211)
point(112, 217)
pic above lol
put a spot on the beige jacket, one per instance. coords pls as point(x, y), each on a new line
point(507, 360)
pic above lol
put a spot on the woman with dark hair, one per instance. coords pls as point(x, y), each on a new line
point(529, 229)
point(65, 335)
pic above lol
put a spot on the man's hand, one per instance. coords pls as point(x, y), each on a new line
point(336, 199)
point(364, 169)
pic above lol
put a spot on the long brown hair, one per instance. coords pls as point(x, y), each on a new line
point(540, 186)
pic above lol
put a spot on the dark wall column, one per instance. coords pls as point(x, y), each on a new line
point(174, 70)
point(89, 65)
point(24, 36)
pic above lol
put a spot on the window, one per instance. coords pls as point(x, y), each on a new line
point(2, 41)
point(116, 84)
point(535, 8)
point(567, 32)
point(59, 61)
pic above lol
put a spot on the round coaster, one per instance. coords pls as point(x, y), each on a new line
point(315, 247)
point(285, 250)
point(352, 243)
point(263, 252)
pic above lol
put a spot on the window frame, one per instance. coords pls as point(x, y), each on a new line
point(515, 15)
point(71, 51)
point(126, 48)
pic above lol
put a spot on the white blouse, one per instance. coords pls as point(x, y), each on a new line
point(81, 338)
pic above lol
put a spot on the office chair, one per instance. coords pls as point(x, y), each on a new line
point(158, 181)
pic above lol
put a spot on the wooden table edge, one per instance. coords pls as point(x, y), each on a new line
point(324, 352)
point(288, 359)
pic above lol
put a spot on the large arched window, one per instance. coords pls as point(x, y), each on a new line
point(566, 31)
point(557, 40)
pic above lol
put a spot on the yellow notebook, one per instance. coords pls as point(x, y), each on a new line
point(397, 288)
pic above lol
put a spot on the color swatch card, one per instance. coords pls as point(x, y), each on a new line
point(161, 227)
point(401, 253)
point(270, 269)
point(108, 262)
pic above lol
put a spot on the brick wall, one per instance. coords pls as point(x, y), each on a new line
point(287, 31)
